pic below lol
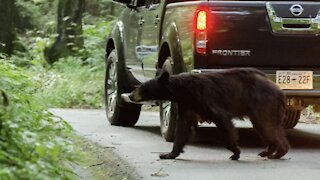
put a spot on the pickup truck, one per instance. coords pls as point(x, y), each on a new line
point(280, 38)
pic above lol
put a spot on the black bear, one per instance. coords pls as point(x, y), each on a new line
point(218, 97)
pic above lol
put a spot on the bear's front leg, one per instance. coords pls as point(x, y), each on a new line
point(230, 136)
point(182, 132)
point(180, 139)
point(171, 155)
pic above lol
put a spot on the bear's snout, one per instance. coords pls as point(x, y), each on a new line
point(131, 97)
point(126, 98)
point(135, 96)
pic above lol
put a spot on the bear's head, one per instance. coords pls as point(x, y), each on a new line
point(155, 89)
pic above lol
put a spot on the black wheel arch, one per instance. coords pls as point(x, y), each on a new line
point(109, 47)
point(169, 46)
point(123, 114)
point(168, 49)
point(115, 42)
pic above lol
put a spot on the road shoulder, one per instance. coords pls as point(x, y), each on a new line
point(98, 162)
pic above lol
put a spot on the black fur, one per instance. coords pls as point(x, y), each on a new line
point(218, 97)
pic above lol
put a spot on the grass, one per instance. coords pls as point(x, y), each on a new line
point(70, 84)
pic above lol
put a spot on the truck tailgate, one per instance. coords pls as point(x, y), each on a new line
point(278, 35)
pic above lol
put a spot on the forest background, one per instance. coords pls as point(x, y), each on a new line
point(51, 55)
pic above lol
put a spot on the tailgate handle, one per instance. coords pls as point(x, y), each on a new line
point(141, 21)
point(156, 20)
point(301, 26)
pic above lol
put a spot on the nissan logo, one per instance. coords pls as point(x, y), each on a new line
point(296, 9)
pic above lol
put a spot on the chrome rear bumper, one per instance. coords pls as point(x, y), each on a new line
point(313, 93)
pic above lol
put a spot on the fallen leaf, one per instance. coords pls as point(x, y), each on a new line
point(159, 174)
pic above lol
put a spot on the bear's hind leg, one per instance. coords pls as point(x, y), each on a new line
point(274, 136)
point(282, 145)
point(264, 130)
point(182, 133)
point(268, 152)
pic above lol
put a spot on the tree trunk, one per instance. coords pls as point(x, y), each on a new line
point(69, 29)
point(7, 30)
point(111, 9)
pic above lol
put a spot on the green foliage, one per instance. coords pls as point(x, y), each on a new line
point(32, 142)
point(75, 82)
point(94, 41)
point(35, 14)
point(103, 8)
point(71, 84)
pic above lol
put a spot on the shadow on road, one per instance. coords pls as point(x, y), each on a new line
point(209, 136)
point(301, 139)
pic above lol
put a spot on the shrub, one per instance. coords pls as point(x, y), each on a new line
point(32, 140)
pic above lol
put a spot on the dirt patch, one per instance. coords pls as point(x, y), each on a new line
point(97, 162)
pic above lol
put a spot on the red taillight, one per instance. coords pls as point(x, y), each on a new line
point(201, 31)
point(202, 20)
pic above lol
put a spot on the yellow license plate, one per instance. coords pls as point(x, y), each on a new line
point(294, 79)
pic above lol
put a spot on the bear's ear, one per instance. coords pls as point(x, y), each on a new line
point(164, 77)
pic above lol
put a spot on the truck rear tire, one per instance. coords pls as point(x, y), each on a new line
point(168, 110)
point(118, 112)
point(291, 119)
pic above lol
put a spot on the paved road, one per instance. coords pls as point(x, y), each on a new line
point(205, 158)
